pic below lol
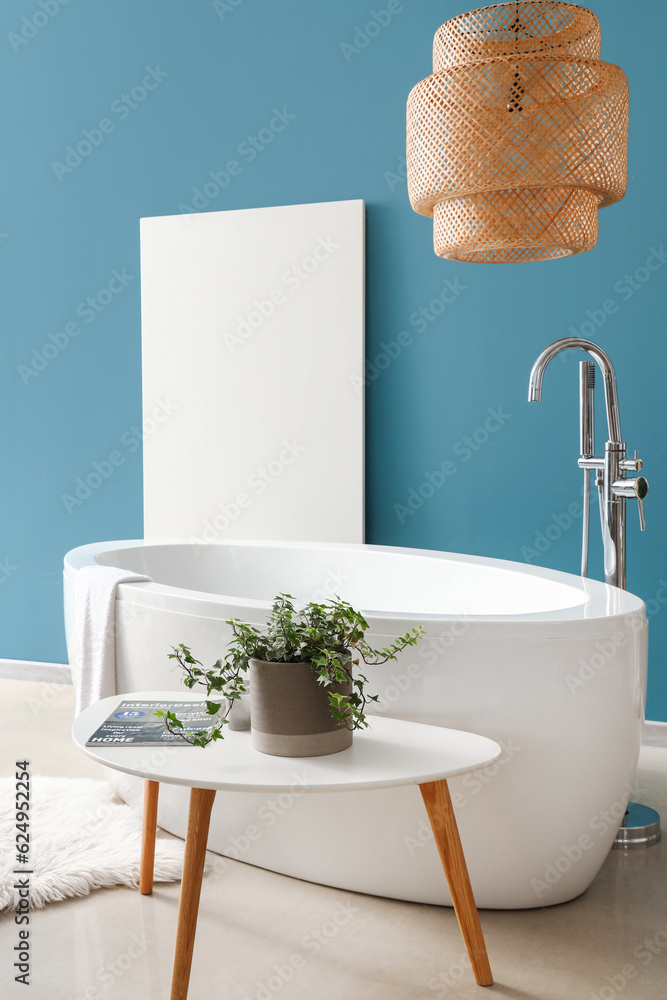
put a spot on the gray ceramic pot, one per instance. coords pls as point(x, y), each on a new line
point(239, 714)
point(290, 714)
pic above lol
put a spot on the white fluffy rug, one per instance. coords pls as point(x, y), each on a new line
point(82, 837)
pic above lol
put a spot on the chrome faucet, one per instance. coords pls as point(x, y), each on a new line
point(611, 471)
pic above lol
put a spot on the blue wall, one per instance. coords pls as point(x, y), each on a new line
point(209, 75)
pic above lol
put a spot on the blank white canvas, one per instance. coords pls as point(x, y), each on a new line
point(253, 370)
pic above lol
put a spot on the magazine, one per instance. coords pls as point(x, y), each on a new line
point(133, 723)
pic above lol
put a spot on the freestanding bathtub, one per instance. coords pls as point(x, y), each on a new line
point(551, 665)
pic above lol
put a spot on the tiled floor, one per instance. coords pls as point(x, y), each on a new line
point(262, 935)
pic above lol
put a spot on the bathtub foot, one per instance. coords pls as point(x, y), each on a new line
point(443, 823)
point(151, 789)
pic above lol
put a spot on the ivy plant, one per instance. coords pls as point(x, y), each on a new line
point(329, 636)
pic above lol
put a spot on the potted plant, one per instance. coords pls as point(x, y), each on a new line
point(306, 695)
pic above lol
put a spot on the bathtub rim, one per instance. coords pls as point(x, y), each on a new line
point(604, 610)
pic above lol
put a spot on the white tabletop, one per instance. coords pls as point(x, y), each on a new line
point(390, 752)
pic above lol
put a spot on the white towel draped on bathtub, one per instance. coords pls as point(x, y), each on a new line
point(95, 631)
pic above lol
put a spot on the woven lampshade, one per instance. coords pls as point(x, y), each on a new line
point(519, 136)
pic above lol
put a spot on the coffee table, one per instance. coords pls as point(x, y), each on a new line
point(389, 753)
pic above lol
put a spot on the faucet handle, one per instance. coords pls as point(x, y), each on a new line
point(639, 465)
point(632, 464)
point(629, 488)
point(642, 519)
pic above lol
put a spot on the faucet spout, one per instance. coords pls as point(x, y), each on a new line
point(605, 365)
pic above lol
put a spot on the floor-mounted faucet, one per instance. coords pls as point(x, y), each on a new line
point(641, 825)
point(611, 471)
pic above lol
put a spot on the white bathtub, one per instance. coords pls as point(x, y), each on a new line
point(550, 665)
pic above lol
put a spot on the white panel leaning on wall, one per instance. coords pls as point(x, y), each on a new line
point(253, 361)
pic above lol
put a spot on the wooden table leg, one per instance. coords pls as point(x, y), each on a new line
point(201, 803)
point(151, 789)
point(443, 823)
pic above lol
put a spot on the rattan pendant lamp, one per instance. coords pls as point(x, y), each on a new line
point(519, 136)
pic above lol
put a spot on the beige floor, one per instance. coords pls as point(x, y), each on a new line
point(262, 935)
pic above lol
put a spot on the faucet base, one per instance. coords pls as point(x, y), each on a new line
point(640, 828)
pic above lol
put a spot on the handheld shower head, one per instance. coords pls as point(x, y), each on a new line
point(586, 408)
